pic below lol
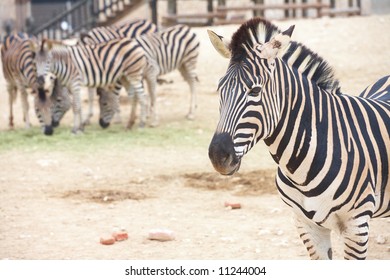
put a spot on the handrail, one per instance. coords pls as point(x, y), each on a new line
point(60, 16)
point(85, 14)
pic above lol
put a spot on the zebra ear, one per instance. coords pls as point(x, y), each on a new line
point(220, 44)
point(33, 45)
point(86, 39)
point(46, 45)
point(276, 45)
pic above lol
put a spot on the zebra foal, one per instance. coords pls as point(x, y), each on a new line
point(20, 74)
point(332, 149)
point(107, 65)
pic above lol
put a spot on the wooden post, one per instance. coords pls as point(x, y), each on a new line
point(258, 13)
point(319, 12)
point(153, 8)
point(286, 12)
point(359, 5)
point(304, 11)
point(210, 21)
point(172, 11)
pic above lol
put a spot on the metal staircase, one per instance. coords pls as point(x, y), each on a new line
point(84, 15)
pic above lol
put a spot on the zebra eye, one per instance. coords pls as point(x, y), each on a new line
point(255, 91)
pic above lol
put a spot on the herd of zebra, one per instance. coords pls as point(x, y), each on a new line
point(106, 59)
point(332, 149)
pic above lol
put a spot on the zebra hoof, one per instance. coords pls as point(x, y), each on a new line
point(190, 117)
point(154, 124)
point(130, 125)
point(77, 132)
point(86, 122)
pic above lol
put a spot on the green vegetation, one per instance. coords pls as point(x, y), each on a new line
point(94, 138)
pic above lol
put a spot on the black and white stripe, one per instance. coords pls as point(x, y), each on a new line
point(20, 73)
point(106, 65)
point(173, 48)
point(332, 149)
point(129, 29)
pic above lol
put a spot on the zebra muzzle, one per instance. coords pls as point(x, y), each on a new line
point(48, 130)
point(222, 154)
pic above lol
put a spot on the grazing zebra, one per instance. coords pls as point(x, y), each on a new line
point(103, 65)
point(174, 48)
point(332, 149)
point(20, 73)
point(129, 29)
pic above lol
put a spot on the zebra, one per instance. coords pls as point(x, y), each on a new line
point(332, 149)
point(20, 73)
point(173, 48)
point(128, 29)
point(103, 65)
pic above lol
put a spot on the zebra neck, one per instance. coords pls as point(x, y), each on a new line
point(63, 63)
point(303, 135)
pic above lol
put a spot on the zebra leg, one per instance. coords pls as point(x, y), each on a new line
point(355, 236)
point(12, 90)
point(76, 106)
point(25, 106)
point(151, 83)
point(87, 119)
point(189, 75)
point(133, 100)
point(315, 238)
point(140, 97)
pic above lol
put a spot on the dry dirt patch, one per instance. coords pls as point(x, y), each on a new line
point(248, 183)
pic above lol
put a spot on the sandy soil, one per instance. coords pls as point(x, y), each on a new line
point(56, 206)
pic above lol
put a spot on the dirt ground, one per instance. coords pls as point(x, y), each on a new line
point(56, 206)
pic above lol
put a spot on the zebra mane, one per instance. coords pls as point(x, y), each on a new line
point(297, 55)
point(254, 31)
point(313, 66)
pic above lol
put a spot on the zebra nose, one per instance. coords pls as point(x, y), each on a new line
point(48, 130)
point(41, 81)
point(103, 123)
point(222, 154)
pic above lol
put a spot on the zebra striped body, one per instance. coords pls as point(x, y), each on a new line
point(103, 65)
point(332, 149)
point(131, 29)
point(173, 48)
point(20, 73)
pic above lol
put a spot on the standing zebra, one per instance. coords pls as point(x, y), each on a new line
point(174, 48)
point(129, 29)
point(332, 149)
point(103, 65)
point(20, 73)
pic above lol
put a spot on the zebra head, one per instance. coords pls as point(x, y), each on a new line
point(42, 90)
point(249, 100)
point(108, 104)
